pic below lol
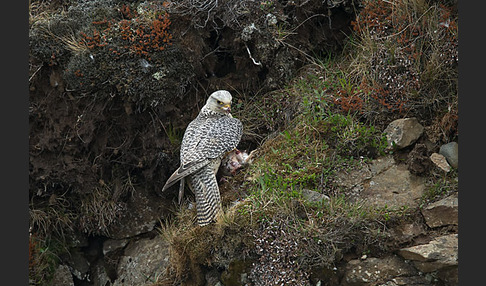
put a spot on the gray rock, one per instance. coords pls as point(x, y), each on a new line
point(313, 196)
point(382, 183)
point(406, 281)
point(394, 187)
point(403, 132)
point(440, 253)
point(443, 212)
point(381, 164)
point(351, 178)
point(440, 161)
point(144, 213)
point(451, 153)
point(113, 245)
point(143, 262)
point(449, 276)
point(374, 271)
point(78, 264)
point(63, 276)
point(100, 277)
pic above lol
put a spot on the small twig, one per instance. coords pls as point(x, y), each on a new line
point(32, 76)
point(249, 54)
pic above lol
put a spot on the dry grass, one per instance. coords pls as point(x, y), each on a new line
point(56, 218)
point(100, 209)
point(406, 57)
point(192, 247)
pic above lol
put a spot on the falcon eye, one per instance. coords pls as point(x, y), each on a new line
point(220, 102)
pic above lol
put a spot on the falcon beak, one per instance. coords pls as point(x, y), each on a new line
point(227, 107)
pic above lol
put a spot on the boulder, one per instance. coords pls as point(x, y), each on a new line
point(438, 254)
point(99, 274)
point(142, 262)
point(451, 152)
point(443, 212)
point(381, 164)
point(406, 232)
point(406, 281)
point(374, 271)
point(403, 132)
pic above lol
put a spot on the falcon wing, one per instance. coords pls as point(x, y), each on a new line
point(203, 141)
point(223, 136)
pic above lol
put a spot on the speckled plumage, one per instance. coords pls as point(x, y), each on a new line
point(212, 134)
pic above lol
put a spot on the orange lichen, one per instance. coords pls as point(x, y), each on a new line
point(97, 40)
point(127, 13)
point(148, 39)
point(140, 39)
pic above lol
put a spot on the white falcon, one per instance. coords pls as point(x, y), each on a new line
point(212, 134)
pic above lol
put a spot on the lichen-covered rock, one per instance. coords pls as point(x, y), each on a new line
point(313, 196)
point(403, 132)
point(79, 265)
point(145, 212)
point(406, 232)
point(375, 271)
point(394, 187)
point(142, 262)
point(62, 276)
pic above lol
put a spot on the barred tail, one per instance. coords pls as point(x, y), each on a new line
point(208, 200)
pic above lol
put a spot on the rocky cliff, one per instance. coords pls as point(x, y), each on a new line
point(351, 107)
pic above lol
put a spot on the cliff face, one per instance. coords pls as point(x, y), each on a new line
point(113, 84)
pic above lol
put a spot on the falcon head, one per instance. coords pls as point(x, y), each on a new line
point(219, 101)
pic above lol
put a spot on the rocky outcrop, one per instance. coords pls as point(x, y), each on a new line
point(442, 213)
point(439, 255)
point(106, 117)
point(145, 210)
point(377, 271)
point(383, 183)
point(142, 262)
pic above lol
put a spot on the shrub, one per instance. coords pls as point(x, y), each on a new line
point(407, 56)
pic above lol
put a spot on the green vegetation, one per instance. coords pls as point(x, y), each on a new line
point(328, 119)
point(439, 187)
point(43, 259)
